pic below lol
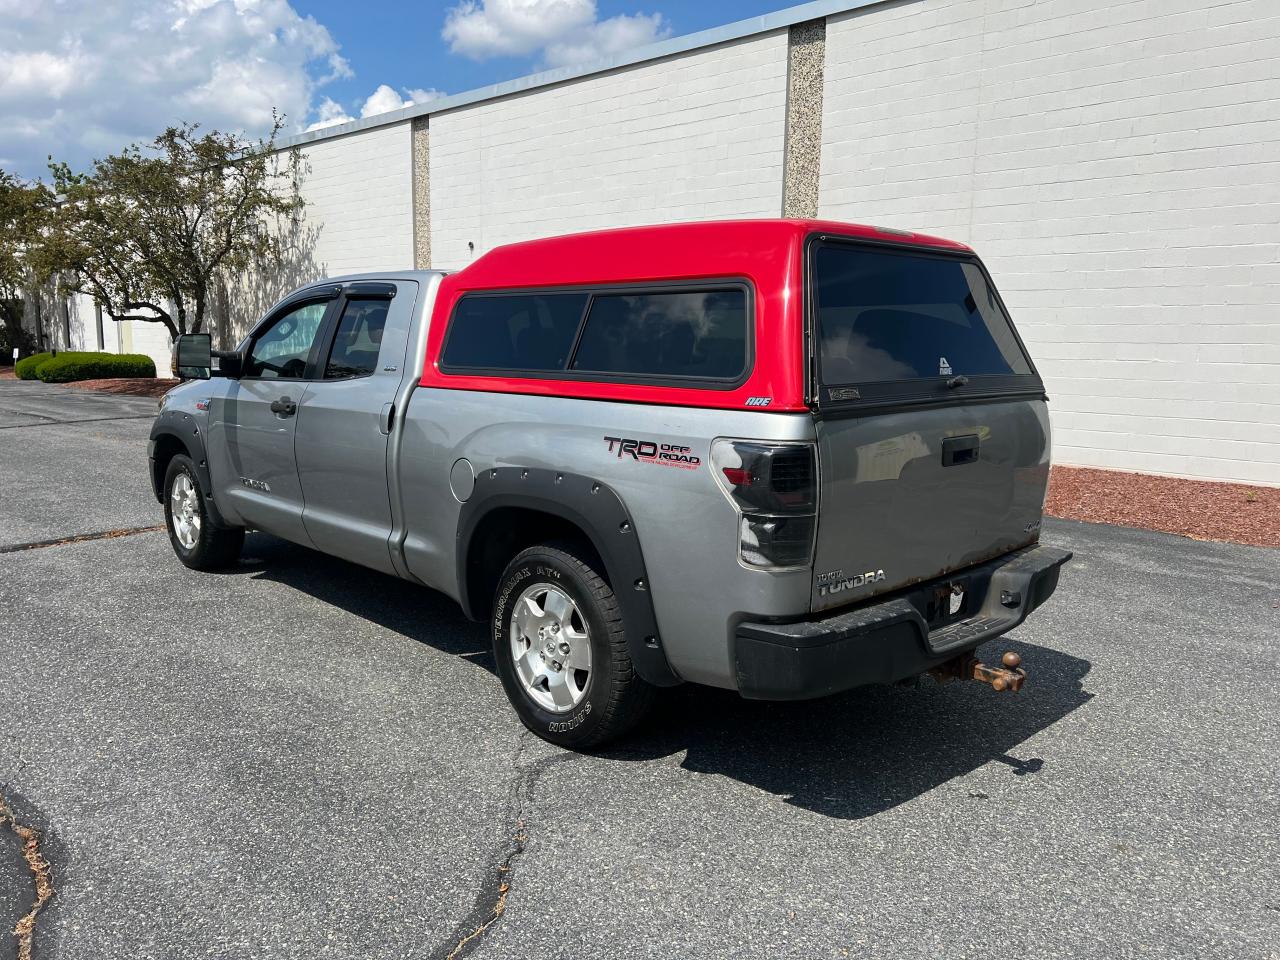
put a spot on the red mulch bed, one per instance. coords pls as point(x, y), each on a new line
point(1199, 509)
point(129, 386)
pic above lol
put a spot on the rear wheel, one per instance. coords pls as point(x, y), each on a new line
point(198, 543)
point(561, 650)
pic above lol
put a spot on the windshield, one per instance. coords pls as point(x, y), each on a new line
point(891, 316)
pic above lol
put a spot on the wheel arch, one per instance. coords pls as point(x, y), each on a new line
point(173, 433)
point(513, 508)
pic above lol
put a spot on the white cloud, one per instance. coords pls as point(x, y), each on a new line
point(385, 99)
point(382, 100)
point(605, 38)
point(418, 95)
point(329, 114)
point(564, 32)
point(81, 78)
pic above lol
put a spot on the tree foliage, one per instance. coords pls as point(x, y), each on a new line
point(147, 232)
point(25, 210)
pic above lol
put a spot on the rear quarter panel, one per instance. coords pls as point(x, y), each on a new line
point(686, 526)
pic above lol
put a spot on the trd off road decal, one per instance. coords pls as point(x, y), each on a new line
point(654, 451)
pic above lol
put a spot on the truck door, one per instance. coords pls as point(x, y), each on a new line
point(255, 467)
point(345, 418)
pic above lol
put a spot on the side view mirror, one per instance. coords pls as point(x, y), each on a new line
point(193, 356)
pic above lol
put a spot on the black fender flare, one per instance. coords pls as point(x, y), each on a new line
point(597, 510)
point(184, 428)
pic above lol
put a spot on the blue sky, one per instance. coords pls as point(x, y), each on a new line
point(400, 44)
point(83, 78)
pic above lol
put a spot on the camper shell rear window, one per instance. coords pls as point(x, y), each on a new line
point(894, 323)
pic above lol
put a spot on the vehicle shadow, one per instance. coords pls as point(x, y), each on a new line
point(849, 756)
point(860, 753)
point(416, 612)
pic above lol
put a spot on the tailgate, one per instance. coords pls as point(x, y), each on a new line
point(933, 433)
point(912, 495)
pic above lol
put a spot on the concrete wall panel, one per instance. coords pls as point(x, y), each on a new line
point(1118, 167)
point(694, 136)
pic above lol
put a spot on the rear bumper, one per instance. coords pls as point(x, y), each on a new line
point(890, 639)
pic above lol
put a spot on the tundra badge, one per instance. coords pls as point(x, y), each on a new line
point(836, 582)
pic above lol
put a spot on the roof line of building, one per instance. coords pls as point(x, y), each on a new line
point(752, 26)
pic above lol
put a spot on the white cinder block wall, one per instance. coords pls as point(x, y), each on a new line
point(1117, 165)
point(359, 198)
point(694, 136)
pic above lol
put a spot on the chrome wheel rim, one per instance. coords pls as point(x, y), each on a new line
point(550, 647)
point(184, 511)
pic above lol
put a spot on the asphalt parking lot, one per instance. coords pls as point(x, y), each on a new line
point(302, 758)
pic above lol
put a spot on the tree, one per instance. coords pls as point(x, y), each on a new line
point(147, 232)
point(25, 210)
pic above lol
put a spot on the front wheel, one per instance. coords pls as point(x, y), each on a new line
point(561, 650)
point(198, 543)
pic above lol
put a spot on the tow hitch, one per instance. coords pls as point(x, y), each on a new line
point(968, 667)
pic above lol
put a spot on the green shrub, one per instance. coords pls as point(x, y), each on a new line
point(25, 369)
point(69, 366)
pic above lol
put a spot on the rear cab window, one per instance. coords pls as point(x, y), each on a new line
point(697, 334)
point(356, 343)
point(904, 324)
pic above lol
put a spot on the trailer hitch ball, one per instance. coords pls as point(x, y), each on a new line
point(1008, 676)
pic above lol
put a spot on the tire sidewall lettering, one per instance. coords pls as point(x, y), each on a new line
point(504, 598)
point(500, 608)
point(575, 721)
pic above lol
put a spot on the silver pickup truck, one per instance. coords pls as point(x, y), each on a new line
point(786, 457)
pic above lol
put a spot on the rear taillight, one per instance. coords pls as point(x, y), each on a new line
point(774, 487)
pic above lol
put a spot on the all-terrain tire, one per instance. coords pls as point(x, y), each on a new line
point(614, 698)
point(208, 546)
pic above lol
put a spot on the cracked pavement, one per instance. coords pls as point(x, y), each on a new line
point(303, 758)
point(17, 888)
point(29, 891)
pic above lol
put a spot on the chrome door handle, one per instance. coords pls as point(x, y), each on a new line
point(284, 407)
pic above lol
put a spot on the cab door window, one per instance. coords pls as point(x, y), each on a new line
point(281, 350)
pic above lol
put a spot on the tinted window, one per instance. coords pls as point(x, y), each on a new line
point(355, 345)
point(280, 352)
point(514, 332)
point(899, 316)
point(701, 335)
